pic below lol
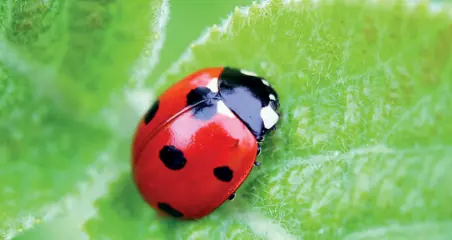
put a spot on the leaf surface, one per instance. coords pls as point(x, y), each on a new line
point(364, 139)
point(66, 68)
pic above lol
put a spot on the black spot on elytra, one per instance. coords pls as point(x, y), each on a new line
point(223, 173)
point(172, 157)
point(204, 103)
point(150, 114)
point(169, 210)
point(199, 94)
point(232, 196)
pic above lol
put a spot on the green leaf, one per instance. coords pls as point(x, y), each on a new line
point(182, 28)
point(56, 155)
point(123, 208)
point(43, 155)
point(87, 47)
point(364, 143)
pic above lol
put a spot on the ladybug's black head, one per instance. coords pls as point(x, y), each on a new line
point(251, 98)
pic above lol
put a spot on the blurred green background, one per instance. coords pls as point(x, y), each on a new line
point(188, 20)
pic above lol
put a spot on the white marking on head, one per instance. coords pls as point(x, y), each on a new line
point(272, 97)
point(213, 85)
point(269, 117)
point(265, 82)
point(223, 109)
point(248, 73)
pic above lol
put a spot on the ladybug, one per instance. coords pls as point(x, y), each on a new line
point(199, 140)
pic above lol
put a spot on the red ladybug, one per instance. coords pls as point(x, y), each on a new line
point(199, 140)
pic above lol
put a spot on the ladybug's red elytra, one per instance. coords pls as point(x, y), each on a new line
point(199, 140)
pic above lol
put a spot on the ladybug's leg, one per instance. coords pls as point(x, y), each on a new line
point(259, 149)
point(232, 196)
